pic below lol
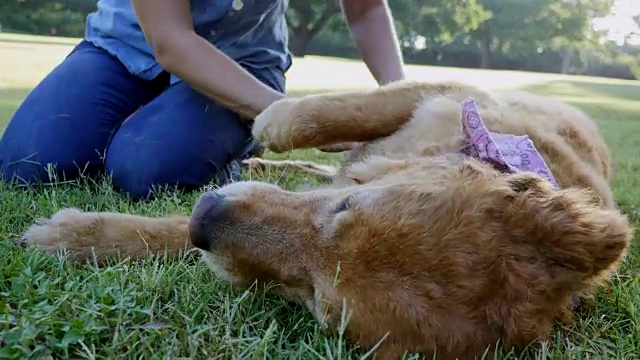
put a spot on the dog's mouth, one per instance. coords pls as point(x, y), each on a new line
point(219, 266)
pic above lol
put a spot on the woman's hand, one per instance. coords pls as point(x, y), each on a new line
point(168, 28)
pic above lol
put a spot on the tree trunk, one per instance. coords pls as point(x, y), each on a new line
point(567, 56)
point(485, 53)
point(300, 43)
point(305, 29)
point(483, 36)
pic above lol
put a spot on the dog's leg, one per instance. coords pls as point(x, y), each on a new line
point(103, 234)
point(331, 118)
point(323, 171)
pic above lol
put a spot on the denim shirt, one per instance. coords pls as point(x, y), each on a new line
point(252, 32)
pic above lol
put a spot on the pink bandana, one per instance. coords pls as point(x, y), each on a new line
point(508, 153)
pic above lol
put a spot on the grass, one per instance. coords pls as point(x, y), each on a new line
point(159, 308)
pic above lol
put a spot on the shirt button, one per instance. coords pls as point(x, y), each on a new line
point(237, 5)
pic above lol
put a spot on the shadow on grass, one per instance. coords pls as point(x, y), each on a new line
point(33, 39)
point(615, 106)
point(37, 42)
point(621, 90)
point(607, 103)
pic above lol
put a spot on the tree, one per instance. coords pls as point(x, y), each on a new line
point(306, 18)
point(512, 23)
point(435, 22)
point(39, 16)
point(432, 21)
point(576, 34)
point(635, 33)
point(517, 25)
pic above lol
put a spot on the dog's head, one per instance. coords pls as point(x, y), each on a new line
point(440, 253)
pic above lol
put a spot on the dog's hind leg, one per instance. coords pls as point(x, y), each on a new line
point(325, 172)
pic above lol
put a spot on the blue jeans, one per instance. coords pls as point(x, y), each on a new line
point(90, 116)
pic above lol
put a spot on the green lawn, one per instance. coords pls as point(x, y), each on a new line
point(166, 309)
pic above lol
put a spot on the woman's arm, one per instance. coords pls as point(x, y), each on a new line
point(373, 31)
point(168, 28)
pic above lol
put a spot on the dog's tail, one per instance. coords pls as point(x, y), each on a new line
point(326, 172)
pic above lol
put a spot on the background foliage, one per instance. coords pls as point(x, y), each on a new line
point(538, 35)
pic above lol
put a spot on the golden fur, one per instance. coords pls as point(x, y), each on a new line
point(430, 252)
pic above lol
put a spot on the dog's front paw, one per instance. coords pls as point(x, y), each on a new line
point(68, 229)
point(274, 127)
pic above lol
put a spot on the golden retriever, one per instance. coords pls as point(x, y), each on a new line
point(428, 250)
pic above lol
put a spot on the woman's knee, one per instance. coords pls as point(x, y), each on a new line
point(139, 165)
point(172, 142)
point(33, 153)
point(134, 184)
point(23, 172)
point(27, 170)
point(64, 125)
point(156, 147)
point(139, 180)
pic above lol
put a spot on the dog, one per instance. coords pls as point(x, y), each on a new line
point(435, 242)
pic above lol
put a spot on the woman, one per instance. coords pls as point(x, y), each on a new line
point(155, 93)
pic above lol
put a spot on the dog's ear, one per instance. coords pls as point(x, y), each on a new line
point(569, 228)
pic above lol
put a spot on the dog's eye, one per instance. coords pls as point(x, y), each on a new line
point(343, 205)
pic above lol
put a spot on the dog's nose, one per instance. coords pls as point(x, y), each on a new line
point(206, 213)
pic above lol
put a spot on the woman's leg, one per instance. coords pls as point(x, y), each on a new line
point(68, 119)
point(180, 139)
